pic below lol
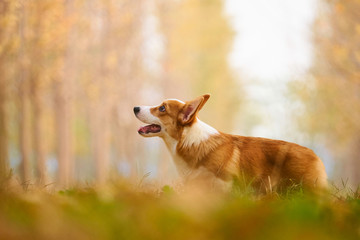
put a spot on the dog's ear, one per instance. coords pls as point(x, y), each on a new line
point(191, 108)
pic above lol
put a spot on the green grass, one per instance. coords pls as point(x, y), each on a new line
point(120, 211)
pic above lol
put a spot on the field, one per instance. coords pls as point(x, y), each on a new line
point(122, 211)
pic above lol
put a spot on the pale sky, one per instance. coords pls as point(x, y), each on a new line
point(272, 46)
point(272, 36)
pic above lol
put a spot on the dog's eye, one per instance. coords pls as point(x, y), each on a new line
point(162, 108)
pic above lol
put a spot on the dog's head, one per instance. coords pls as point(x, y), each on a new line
point(170, 117)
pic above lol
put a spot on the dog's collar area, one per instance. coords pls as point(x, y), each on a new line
point(152, 128)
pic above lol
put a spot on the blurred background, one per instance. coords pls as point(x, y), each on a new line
point(72, 71)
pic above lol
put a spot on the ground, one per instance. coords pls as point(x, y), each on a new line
point(120, 210)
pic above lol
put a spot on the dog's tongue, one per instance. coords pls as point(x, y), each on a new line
point(153, 128)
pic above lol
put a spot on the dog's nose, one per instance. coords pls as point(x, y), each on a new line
point(136, 110)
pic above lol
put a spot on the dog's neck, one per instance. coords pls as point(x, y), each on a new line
point(191, 136)
point(194, 144)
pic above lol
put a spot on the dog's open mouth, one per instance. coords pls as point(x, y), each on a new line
point(152, 128)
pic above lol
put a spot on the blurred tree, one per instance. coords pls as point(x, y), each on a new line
point(61, 24)
point(332, 96)
point(44, 31)
point(8, 46)
point(38, 77)
point(198, 40)
point(109, 78)
point(24, 101)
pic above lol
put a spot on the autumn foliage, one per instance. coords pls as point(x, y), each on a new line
point(331, 93)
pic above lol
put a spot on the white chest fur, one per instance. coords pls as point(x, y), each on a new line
point(193, 136)
point(180, 164)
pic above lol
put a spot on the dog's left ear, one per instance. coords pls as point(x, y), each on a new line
point(191, 108)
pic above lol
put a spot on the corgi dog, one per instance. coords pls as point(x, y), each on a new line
point(203, 154)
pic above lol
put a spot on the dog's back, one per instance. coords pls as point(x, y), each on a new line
point(279, 163)
point(266, 163)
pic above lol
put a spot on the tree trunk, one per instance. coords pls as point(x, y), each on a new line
point(3, 127)
point(3, 133)
point(63, 128)
point(354, 164)
point(25, 127)
point(25, 114)
point(63, 101)
point(39, 138)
